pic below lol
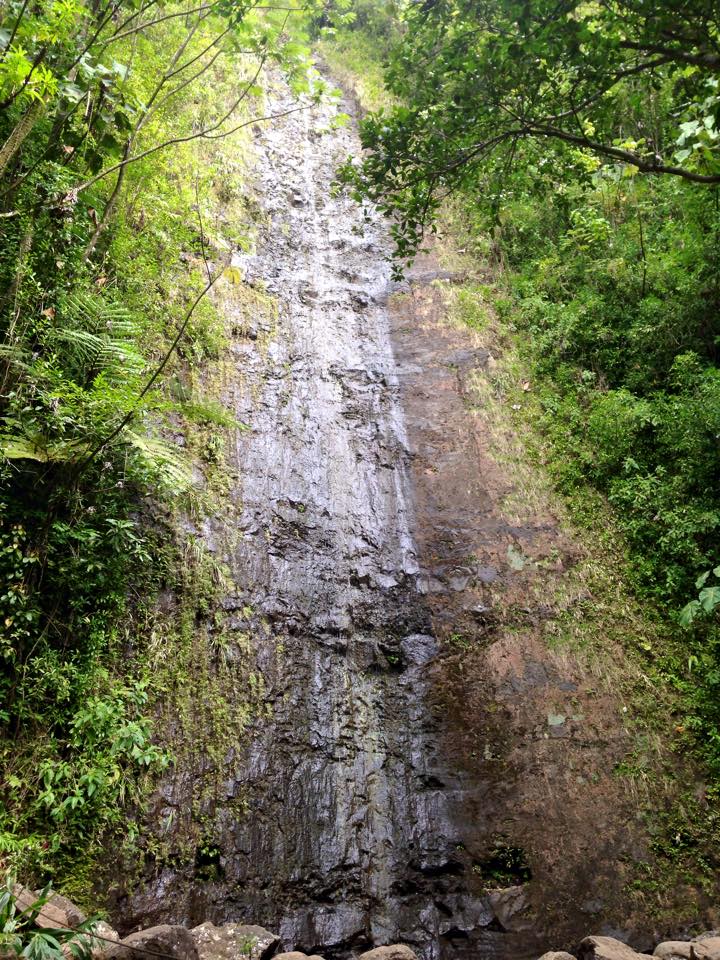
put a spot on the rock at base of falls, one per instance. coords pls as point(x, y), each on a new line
point(606, 948)
point(234, 940)
point(165, 939)
point(297, 955)
point(704, 947)
point(394, 951)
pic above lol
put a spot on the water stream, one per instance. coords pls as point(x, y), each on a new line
point(354, 819)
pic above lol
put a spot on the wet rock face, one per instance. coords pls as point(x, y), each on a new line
point(353, 822)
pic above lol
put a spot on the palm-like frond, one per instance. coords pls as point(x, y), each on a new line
point(99, 335)
point(16, 447)
point(168, 461)
point(16, 356)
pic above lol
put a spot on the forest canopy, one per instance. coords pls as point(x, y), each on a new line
point(634, 83)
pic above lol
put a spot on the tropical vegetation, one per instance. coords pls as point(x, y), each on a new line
point(123, 133)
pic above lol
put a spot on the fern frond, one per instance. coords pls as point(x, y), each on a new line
point(116, 352)
point(26, 448)
point(14, 354)
point(172, 466)
point(100, 334)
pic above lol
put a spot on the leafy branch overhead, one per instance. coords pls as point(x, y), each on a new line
point(631, 83)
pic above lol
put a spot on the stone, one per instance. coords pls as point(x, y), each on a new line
point(233, 940)
point(706, 947)
point(102, 941)
point(557, 955)
point(606, 948)
point(103, 933)
point(58, 912)
point(173, 941)
point(394, 951)
point(673, 948)
point(509, 906)
point(73, 914)
point(297, 955)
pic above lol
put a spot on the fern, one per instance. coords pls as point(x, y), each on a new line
point(171, 465)
point(15, 447)
point(101, 336)
point(14, 355)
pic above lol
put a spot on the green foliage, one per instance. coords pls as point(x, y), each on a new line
point(20, 935)
point(708, 599)
point(116, 181)
point(627, 84)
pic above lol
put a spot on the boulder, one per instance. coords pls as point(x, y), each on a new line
point(706, 947)
point(297, 955)
point(510, 906)
point(606, 948)
point(104, 939)
point(557, 955)
point(673, 948)
point(72, 913)
point(57, 912)
point(234, 940)
point(101, 941)
point(171, 941)
point(394, 951)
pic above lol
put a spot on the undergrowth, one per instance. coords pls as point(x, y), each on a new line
point(98, 476)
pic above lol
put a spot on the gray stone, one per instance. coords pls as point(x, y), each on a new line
point(57, 912)
point(557, 955)
point(673, 948)
point(101, 942)
point(509, 906)
point(706, 947)
point(104, 938)
point(233, 940)
point(394, 951)
point(606, 948)
point(297, 955)
point(173, 941)
point(73, 914)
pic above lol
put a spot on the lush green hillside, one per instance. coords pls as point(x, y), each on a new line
point(122, 195)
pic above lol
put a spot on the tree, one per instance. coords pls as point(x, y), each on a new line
point(632, 82)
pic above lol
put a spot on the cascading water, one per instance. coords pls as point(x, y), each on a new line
point(353, 819)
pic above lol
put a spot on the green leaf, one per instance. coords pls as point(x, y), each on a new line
point(709, 598)
point(689, 612)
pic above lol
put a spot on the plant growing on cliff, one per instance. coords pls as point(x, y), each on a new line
point(111, 113)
